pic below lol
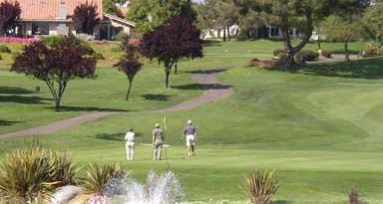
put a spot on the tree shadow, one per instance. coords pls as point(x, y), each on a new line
point(196, 86)
point(14, 90)
point(156, 97)
point(115, 136)
point(7, 122)
point(212, 71)
point(364, 69)
point(23, 99)
point(211, 43)
point(87, 109)
point(281, 202)
point(193, 86)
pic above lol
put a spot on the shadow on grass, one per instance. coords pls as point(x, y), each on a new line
point(156, 97)
point(14, 90)
point(211, 43)
point(7, 123)
point(364, 69)
point(196, 86)
point(24, 99)
point(115, 136)
point(87, 109)
point(281, 202)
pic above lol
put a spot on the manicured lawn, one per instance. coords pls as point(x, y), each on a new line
point(320, 128)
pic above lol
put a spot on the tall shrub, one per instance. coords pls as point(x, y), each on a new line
point(261, 186)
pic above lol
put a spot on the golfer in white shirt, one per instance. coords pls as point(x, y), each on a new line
point(129, 138)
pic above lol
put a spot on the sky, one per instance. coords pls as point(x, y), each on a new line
point(198, 0)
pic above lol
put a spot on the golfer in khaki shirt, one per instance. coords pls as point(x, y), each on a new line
point(158, 141)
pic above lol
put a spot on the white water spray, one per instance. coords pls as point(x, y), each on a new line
point(159, 189)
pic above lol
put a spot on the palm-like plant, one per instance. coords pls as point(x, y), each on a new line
point(99, 177)
point(354, 196)
point(33, 174)
point(261, 186)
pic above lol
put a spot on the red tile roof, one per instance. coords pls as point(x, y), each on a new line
point(49, 9)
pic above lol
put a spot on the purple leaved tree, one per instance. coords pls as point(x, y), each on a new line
point(57, 64)
point(85, 18)
point(176, 39)
point(10, 12)
point(130, 65)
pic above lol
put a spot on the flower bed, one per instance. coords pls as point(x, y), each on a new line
point(18, 40)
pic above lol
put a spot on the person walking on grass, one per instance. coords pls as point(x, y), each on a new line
point(158, 141)
point(190, 132)
point(129, 138)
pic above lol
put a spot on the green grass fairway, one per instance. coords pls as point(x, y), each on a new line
point(319, 128)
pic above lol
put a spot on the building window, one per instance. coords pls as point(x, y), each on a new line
point(40, 28)
point(274, 31)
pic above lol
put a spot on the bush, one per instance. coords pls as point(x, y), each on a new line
point(98, 56)
point(121, 36)
point(5, 49)
point(85, 37)
point(371, 50)
point(306, 55)
point(53, 40)
point(261, 187)
point(325, 53)
point(33, 174)
point(278, 52)
point(99, 177)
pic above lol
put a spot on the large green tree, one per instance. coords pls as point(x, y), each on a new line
point(342, 29)
point(217, 14)
point(372, 22)
point(300, 15)
point(149, 14)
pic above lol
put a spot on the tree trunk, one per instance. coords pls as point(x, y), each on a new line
point(176, 68)
point(319, 42)
point(228, 33)
point(57, 104)
point(168, 69)
point(347, 55)
point(289, 50)
point(129, 89)
point(224, 34)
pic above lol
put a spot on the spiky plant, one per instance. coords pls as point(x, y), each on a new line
point(33, 174)
point(99, 177)
point(354, 196)
point(261, 186)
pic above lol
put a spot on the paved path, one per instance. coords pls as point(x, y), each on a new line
point(213, 91)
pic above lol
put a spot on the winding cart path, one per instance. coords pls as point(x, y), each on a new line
point(213, 91)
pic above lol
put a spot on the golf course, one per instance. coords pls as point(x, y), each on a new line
point(320, 127)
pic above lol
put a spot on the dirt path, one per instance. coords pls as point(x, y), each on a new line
point(213, 91)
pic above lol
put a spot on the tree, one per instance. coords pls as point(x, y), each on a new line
point(149, 14)
point(85, 18)
point(176, 39)
point(109, 7)
point(300, 15)
point(372, 22)
point(342, 30)
point(57, 64)
point(218, 14)
point(130, 65)
point(10, 12)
